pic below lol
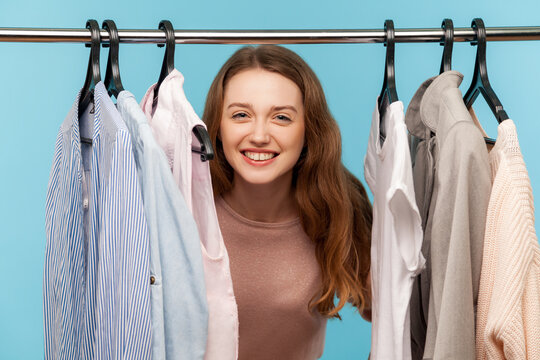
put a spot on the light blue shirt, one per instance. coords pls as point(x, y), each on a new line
point(178, 293)
point(96, 287)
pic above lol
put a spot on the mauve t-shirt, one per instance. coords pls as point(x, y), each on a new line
point(275, 274)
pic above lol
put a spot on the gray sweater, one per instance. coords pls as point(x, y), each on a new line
point(452, 184)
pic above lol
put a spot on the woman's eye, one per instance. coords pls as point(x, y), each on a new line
point(283, 118)
point(240, 116)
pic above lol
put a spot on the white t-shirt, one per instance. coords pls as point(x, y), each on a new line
point(396, 236)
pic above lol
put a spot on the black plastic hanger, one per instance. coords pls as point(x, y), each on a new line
point(480, 83)
point(448, 43)
point(93, 72)
point(113, 84)
point(206, 150)
point(388, 93)
point(168, 59)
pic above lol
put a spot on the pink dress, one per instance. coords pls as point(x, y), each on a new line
point(172, 121)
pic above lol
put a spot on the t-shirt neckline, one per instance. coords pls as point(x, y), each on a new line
point(260, 224)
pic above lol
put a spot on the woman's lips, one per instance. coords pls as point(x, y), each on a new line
point(259, 158)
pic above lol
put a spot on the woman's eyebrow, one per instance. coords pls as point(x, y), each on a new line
point(284, 107)
point(244, 105)
point(274, 108)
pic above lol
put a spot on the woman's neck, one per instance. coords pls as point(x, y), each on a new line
point(269, 203)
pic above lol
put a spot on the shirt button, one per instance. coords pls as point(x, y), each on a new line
point(85, 203)
point(152, 280)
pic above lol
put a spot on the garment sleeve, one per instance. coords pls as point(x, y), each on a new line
point(464, 185)
point(408, 229)
point(406, 220)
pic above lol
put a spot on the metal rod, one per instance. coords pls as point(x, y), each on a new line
point(42, 35)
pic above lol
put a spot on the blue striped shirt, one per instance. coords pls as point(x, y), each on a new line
point(96, 288)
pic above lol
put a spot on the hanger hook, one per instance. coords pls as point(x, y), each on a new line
point(112, 74)
point(92, 73)
point(95, 44)
point(480, 41)
point(448, 43)
point(170, 43)
point(168, 60)
point(480, 67)
point(110, 27)
point(480, 32)
point(480, 83)
point(390, 35)
point(389, 71)
point(388, 93)
point(389, 42)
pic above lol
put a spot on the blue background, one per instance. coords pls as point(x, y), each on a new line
point(39, 82)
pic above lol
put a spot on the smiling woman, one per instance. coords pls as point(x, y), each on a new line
point(295, 221)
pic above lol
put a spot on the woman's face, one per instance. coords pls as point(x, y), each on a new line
point(262, 126)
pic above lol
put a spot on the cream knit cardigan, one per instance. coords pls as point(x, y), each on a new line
point(508, 313)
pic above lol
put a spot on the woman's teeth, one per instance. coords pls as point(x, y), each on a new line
point(259, 156)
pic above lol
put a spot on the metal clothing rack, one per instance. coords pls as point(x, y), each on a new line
point(142, 36)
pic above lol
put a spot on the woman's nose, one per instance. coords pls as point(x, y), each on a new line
point(260, 133)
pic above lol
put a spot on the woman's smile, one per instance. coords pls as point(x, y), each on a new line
point(259, 157)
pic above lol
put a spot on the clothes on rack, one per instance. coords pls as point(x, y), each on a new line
point(136, 265)
point(179, 309)
point(478, 296)
point(148, 271)
point(452, 186)
point(396, 236)
point(508, 317)
point(96, 300)
point(172, 120)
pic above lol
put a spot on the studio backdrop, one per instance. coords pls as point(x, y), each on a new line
point(39, 82)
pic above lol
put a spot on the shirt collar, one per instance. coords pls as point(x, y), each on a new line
point(421, 117)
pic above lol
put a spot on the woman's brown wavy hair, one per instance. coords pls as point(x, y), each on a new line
point(334, 209)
